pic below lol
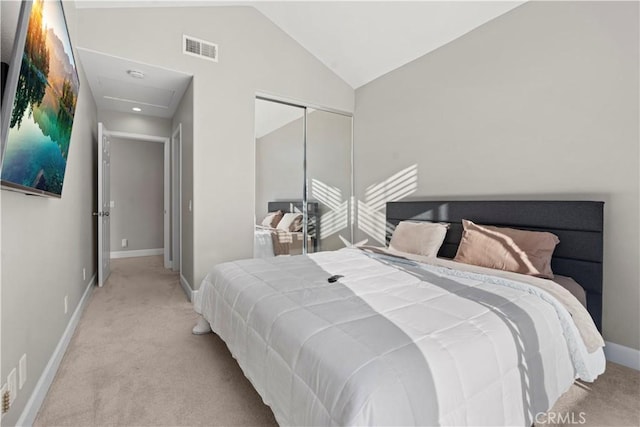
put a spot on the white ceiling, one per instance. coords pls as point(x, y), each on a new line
point(360, 40)
point(157, 94)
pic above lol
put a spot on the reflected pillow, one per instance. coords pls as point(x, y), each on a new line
point(418, 238)
point(291, 222)
point(508, 249)
point(272, 219)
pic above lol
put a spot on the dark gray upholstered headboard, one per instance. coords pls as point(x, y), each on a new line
point(578, 224)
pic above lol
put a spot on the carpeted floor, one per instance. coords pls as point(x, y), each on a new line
point(134, 361)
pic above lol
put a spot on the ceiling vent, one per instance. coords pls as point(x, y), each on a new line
point(200, 48)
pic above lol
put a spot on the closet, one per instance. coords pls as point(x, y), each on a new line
point(304, 170)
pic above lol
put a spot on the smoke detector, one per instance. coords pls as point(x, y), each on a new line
point(136, 74)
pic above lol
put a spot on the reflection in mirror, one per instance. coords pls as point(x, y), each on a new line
point(329, 176)
point(279, 130)
point(294, 200)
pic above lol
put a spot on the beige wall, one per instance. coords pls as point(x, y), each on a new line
point(137, 190)
point(45, 245)
point(540, 103)
point(254, 56)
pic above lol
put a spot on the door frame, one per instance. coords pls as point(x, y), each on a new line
point(176, 198)
point(104, 268)
point(166, 183)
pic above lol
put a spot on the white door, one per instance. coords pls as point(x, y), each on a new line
point(104, 195)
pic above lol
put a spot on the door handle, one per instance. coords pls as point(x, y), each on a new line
point(106, 214)
point(97, 214)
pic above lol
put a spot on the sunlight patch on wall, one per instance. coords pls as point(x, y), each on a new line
point(393, 188)
point(371, 222)
point(337, 218)
point(371, 212)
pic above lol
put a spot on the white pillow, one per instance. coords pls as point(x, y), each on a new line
point(290, 222)
point(419, 238)
point(272, 219)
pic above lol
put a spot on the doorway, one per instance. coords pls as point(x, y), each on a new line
point(139, 204)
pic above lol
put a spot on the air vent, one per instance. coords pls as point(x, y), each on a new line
point(200, 48)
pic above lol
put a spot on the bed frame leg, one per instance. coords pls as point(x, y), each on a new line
point(202, 327)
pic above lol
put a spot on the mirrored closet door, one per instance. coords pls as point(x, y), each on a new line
point(303, 179)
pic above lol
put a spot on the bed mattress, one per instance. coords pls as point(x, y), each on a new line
point(393, 342)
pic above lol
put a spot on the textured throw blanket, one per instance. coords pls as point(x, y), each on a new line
point(590, 335)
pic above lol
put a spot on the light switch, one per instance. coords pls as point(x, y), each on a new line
point(112, 204)
point(190, 206)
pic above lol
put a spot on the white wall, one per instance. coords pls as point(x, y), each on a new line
point(135, 123)
point(254, 56)
point(540, 103)
point(137, 190)
point(45, 245)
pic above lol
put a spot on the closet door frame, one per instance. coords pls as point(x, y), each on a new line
point(264, 96)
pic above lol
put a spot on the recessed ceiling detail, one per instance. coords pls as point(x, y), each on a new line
point(110, 78)
point(135, 91)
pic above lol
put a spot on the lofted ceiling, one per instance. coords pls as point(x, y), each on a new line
point(360, 40)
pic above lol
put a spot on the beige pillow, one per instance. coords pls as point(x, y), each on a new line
point(272, 219)
point(509, 249)
point(419, 238)
point(291, 222)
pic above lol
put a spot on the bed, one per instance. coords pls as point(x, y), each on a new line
point(270, 242)
point(393, 341)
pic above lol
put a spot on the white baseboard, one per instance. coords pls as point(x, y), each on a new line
point(30, 411)
point(616, 353)
point(186, 288)
point(137, 253)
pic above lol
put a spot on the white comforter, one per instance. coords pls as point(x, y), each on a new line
point(393, 342)
point(262, 243)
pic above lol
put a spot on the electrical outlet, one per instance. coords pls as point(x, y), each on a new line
point(13, 385)
point(125, 243)
point(66, 304)
point(84, 274)
point(22, 371)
